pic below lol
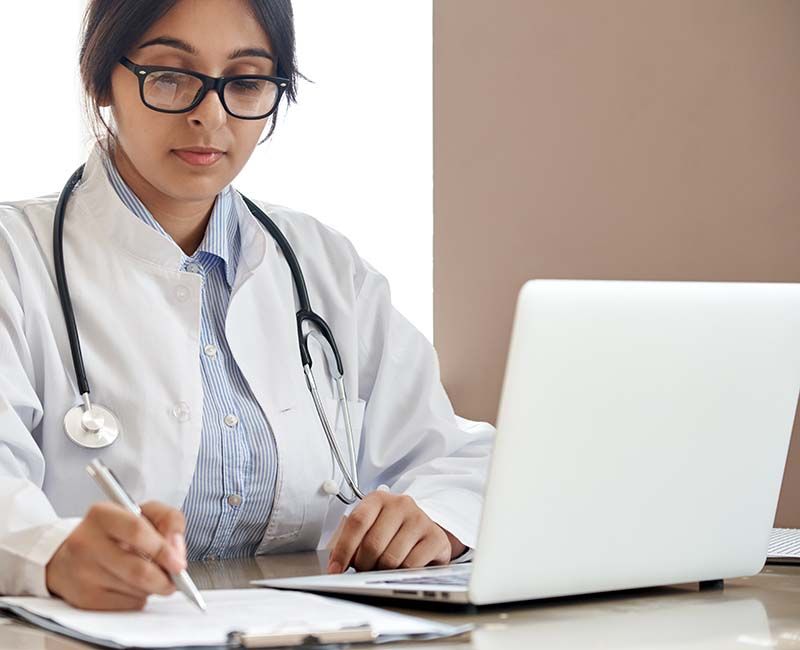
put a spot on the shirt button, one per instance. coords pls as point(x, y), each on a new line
point(211, 556)
point(231, 420)
point(194, 268)
point(210, 350)
point(181, 411)
point(234, 500)
point(182, 293)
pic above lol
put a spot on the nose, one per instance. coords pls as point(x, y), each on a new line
point(209, 111)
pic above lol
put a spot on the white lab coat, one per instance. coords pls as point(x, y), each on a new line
point(139, 324)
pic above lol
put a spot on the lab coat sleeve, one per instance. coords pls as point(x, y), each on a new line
point(30, 530)
point(412, 441)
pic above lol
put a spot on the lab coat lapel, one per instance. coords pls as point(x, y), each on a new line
point(262, 334)
point(144, 368)
point(261, 320)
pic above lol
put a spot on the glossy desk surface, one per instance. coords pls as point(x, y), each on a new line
point(758, 612)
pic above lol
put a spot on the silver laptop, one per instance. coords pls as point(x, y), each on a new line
point(784, 546)
point(641, 439)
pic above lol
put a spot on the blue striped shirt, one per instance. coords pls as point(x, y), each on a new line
point(230, 498)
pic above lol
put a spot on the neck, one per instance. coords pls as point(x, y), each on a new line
point(185, 221)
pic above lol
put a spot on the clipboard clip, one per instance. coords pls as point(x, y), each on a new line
point(303, 638)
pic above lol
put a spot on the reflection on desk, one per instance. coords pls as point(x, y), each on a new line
point(651, 624)
point(223, 574)
point(757, 612)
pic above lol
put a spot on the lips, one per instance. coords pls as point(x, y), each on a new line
point(199, 156)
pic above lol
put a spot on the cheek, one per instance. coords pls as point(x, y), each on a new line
point(248, 133)
point(134, 120)
point(139, 126)
point(126, 104)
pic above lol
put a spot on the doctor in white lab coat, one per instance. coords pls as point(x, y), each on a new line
point(138, 316)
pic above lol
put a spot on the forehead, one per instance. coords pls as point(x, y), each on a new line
point(213, 28)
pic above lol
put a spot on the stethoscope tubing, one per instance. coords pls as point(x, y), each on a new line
point(63, 286)
point(304, 315)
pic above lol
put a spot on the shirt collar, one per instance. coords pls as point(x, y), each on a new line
point(221, 240)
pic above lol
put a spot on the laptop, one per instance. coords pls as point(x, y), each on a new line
point(642, 433)
point(784, 546)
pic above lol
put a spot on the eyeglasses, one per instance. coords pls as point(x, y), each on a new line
point(175, 90)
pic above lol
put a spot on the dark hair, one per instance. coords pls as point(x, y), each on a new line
point(111, 27)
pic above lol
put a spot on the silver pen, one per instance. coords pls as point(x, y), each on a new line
point(114, 491)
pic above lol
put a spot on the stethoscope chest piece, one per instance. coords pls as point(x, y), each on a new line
point(93, 427)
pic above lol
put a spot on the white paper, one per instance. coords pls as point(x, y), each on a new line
point(173, 621)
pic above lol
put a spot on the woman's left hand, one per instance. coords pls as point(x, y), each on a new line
point(389, 531)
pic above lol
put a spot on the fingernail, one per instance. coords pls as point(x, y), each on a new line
point(334, 567)
point(179, 546)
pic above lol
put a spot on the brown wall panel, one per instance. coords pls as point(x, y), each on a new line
point(633, 139)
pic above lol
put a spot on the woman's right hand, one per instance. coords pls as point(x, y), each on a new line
point(113, 560)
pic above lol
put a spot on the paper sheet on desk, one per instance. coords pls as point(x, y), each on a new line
point(171, 621)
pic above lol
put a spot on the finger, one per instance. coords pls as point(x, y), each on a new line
point(336, 534)
point(131, 571)
point(138, 532)
point(170, 522)
point(357, 523)
point(107, 580)
point(88, 577)
point(429, 550)
point(109, 600)
point(398, 549)
point(378, 537)
point(166, 519)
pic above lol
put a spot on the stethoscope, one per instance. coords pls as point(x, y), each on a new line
point(94, 426)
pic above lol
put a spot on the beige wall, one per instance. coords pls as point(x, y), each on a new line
point(625, 139)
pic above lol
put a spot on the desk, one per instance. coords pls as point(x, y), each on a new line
point(762, 611)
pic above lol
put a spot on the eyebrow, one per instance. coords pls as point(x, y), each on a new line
point(179, 44)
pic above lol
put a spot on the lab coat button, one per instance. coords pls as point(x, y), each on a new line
point(234, 500)
point(182, 293)
point(181, 411)
point(210, 350)
point(231, 420)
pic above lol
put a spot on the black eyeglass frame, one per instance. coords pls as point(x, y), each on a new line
point(209, 83)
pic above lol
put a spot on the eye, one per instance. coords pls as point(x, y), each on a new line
point(168, 77)
point(248, 84)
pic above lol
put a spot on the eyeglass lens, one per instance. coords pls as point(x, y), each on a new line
point(175, 91)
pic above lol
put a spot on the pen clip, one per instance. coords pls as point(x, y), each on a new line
point(111, 485)
point(122, 489)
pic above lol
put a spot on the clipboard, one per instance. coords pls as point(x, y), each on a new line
point(352, 634)
point(237, 620)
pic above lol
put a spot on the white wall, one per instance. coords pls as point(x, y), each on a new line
point(40, 117)
point(355, 151)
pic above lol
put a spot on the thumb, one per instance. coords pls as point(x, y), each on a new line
point(171, 524)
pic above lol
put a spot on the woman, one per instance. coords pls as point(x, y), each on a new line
point(185, 308)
